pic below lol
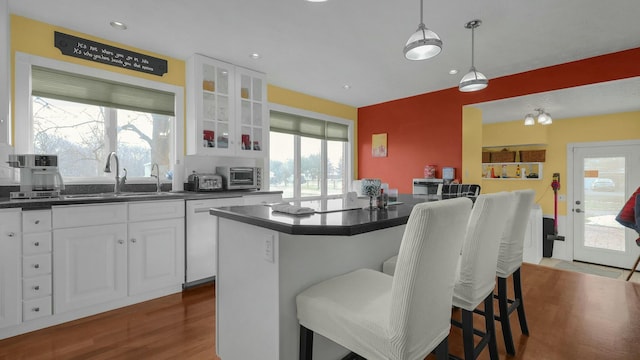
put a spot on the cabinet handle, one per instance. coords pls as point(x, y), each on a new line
point(36, 288)
point(120, 241)
point(11, 234)
point(36, 243)
point(133, 240)
point(37, 266)
point(37, 222)
point(36, 309)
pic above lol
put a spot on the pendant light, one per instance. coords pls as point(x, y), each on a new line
point(529, 120)
point(473, 80)
point(423, 44)
point(544, 118)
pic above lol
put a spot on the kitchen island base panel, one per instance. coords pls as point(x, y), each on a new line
point(256, 309)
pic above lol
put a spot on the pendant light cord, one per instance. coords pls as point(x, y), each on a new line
point(473, 48)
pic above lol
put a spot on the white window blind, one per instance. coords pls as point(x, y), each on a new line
point(66, 86)
point(309, 127)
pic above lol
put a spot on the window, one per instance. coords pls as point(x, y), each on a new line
point(308, 156)
point(82, 114)
point(84, 135)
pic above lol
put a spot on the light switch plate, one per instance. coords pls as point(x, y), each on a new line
point(268, 248)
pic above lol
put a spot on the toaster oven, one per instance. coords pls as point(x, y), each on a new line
point(238, 178)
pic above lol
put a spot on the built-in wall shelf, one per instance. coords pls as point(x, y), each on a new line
point(513, 145)
point(509, 170)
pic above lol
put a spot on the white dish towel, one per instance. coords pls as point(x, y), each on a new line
point(292, 209)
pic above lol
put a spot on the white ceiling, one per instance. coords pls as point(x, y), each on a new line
point(316, 48)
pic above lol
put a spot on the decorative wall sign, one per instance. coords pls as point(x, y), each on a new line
point(379, 145)
point(94, 51)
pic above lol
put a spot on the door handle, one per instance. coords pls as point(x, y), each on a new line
point(578, 210)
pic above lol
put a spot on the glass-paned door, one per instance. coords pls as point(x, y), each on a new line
point(604, 176)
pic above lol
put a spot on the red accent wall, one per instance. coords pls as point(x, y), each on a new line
point(427, 129)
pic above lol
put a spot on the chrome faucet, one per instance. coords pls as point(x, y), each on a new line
point(157, 176)
point(107, 169)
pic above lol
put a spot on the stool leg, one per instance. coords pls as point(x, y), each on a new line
point(490, 326)
point(306, 343)
point(634, 268)
point(517, 289)
point(442, 350)
point(467, 334)
point(503, 306)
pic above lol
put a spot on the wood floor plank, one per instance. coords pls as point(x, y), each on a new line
point(570, 315)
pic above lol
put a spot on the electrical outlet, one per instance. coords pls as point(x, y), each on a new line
point(268, 249)
point(562, 198)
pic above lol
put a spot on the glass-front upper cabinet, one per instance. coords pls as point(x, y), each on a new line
point(210, 106)
point(252, 110)
point(226, 109)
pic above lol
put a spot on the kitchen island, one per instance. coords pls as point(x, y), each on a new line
point(266, 258)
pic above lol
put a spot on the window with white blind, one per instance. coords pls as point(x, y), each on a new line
point(83, 114)
point(309, 155)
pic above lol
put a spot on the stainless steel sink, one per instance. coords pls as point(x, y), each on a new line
point(114, 195)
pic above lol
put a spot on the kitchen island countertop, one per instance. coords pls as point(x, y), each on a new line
point(346, 222)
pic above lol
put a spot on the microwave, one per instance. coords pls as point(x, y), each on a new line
point(239, 178)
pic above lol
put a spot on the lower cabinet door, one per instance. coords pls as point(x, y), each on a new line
point(156, 255)
point(10, 243)
point(89, 266)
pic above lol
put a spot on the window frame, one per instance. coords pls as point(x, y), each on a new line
point(24, 109)
point(348, 151)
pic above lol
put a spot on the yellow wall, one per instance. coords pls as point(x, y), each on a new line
point(471, 142)
point(278, 95)
point(36, 38)
point(612, 127)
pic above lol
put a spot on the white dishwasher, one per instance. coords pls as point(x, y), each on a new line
point(201, 242)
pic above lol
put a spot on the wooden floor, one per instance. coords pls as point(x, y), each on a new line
point(571, 316)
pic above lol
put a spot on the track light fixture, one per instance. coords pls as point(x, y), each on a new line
point(543, 118)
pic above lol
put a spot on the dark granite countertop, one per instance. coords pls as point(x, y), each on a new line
point(347, 223)
point(95, 198)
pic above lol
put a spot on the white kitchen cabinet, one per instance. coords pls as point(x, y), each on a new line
point(90, 265)
point(129, 249)
point(10, 284)
point(226, 109)
point(36, 264)
point(156, 254)
point(202, 235)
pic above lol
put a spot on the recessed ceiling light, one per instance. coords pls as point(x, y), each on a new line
point(346, 86)
point(118, 25)
point(453, 72)
point(255, 56)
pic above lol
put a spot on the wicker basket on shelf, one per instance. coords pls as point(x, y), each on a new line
point(503, 156)
point(532, 155)
point(486, 157)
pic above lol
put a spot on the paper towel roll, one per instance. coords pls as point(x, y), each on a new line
point(178, 177)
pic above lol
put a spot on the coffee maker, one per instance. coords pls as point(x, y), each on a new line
point(39, 176)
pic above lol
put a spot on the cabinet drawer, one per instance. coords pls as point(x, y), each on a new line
point(37, 287)
point(33, 309)
point(35, 265)
point(36, 221)
point(38, 243)
point(88, 215)
point(156, 210)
